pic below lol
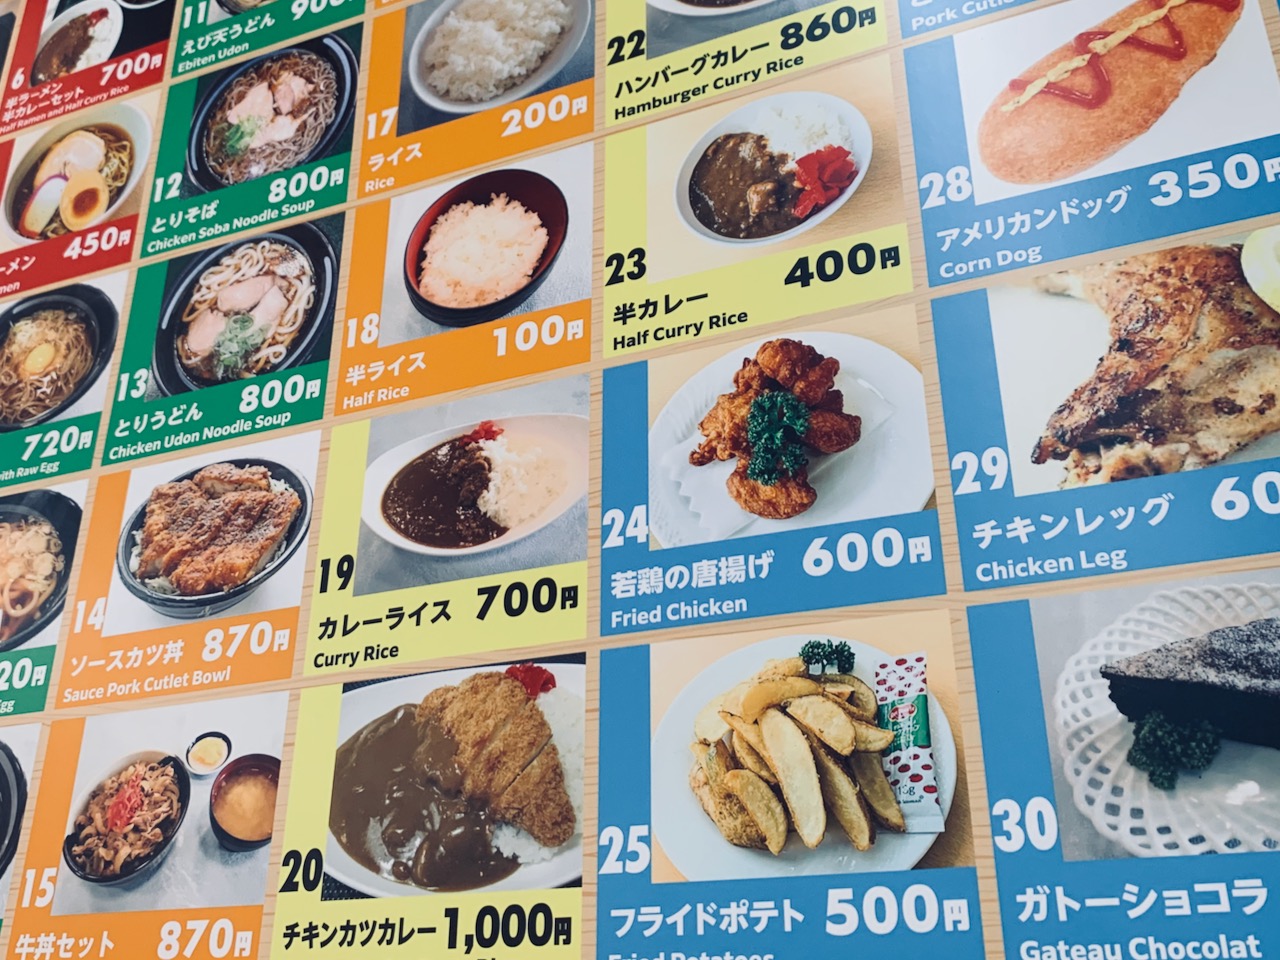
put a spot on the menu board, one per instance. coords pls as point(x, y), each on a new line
point(644, 480)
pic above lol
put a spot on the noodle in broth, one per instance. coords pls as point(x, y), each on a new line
point(31, 560)
point(115, 168)
point(271, 117)
point(246, 311)
point(44, 358)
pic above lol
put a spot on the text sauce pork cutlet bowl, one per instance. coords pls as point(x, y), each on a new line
point(77, 174)
point(223, 148)
point(106, 814)
point(738, 186)
point(298, 268)
point(436, 40)
point(38, 533)
point(53, 348)
point(472, 261)
point(195, 606)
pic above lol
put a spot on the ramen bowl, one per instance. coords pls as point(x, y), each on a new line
point(101, 320)
point(207, 604)
point(143, 866)
point(168, 373)
point(64, 515)
point(124, 115)
point(555, 61)
point(13, 804)
point(339, 56)
point(533, 191)
point(252, 764)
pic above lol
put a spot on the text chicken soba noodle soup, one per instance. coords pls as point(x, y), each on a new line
point(246, 311)
point(31, 560)
point(271, 117)
point(44, 357)
point(74, 182)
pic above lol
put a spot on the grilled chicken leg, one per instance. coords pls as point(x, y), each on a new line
point(1190, 376)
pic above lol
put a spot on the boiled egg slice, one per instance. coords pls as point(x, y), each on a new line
point(1260, 260)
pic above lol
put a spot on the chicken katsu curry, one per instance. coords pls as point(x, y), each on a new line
point(212, 532)
point(422, 793)
point(783, 408)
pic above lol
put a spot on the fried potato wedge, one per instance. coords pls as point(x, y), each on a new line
point(862, 698)
point(726, 812)
point(791, 757)
point(823, 716)
point(732, 702)
point(843, 799)
point(763, 806)
point(870, 738)
point(785, 667)
point(769, 693)
point(749, 757)
point(868, 771)
point(708, 726)
point(836, 691)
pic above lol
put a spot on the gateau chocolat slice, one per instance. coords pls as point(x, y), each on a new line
point(1230, 677)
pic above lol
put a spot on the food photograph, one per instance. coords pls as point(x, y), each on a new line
point(484, 485)
point(672, 25)
point(1094, 87)
point(55, 348)
point(465, 56)
point(80, 35)
point(214, 532)
point(77, 173)
point(465, 780)
point(256, 305)
point(774, 172)
point(828, 751)
point(18, 747)
point(171, 824)
point(273, 113)
point(39, 534)
point(506, 242)
point(1164, 701)
point(1165, 361)
point(813, 428)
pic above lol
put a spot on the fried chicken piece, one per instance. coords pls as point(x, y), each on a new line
point(789, 497)
point(831, 431)
point(725, 425)
point(799, 368)
point(834, 400)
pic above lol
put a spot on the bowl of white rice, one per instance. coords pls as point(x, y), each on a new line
point(795, 123)
point(472, 55)
point(484, 246)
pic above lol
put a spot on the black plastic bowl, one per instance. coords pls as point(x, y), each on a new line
point(334, 49)
point(534, 192)
point(168, 373)
point(143, 865)
point(100, 318)
point(208, 604)
point(64, 513)
point(13, 804)
point(251, 762)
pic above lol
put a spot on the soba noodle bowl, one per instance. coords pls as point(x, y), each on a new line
point(271, 117)
point(30, 561)
point(246, 311)
point(44, 358)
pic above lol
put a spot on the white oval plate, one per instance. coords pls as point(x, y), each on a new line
point(562, 437)
point(888, 472)
point(366, 704)
point(552, 64)
point(1233, 807)
point(115, 24)
point(694, 844)
point(738, 122)
point(687, 10)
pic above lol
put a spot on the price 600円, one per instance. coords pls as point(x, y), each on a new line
point(852, 553)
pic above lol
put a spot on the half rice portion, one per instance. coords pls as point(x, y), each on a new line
point(476, 254)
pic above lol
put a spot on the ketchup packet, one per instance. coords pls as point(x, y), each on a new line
point(902, 692)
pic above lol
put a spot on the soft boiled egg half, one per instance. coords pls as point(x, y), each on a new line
point(1260, 260)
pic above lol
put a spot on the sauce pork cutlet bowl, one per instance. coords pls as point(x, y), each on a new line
point(64, 515)
point(206, 604)
point(138, 866)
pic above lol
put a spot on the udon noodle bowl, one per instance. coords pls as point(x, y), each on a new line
point(245, 312)
point(74, 182)
point(31, 560)
point(44, 357)
point(271, 117)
